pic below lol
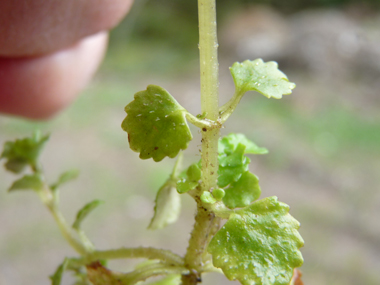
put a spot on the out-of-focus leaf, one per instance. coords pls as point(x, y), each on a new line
point(83, 213)
point(167, 208)
point(262, 77)
point(56, 278)
point(259, 244)
point(65, 177)
point(156, 124)
point(242, 192)
point(27, 182)
point(23, 152)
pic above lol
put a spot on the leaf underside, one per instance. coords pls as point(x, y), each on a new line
point(156, 124)
point(260, 76)
point(167, 207)
point(259, 245)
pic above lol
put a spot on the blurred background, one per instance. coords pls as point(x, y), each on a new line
point(324, 139)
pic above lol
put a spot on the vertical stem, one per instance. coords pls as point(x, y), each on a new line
point(209, 69)
point(206, 223)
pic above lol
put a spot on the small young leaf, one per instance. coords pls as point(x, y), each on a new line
point(207, 198)
point(23, 152)
point(167, 208)
point(156, 124)
point(194, 173)
point(228, 145)
point(218, 193)
point(83, 213)
point(242, 192)
point(232, 166)
point(65, 177)
point(264, 78)
point(259, 244)
point(56, 278)
point(27, 182)
point(190, 180)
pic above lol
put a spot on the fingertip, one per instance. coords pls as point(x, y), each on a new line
point(39, 87)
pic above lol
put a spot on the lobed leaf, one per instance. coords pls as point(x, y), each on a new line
point(156, 124)
point(167, 206)
point(242, 192)
point(229, 143)
point(259, 244)
point(23, 152)
point(28, 182)
point(83, 213)
point(262, 77)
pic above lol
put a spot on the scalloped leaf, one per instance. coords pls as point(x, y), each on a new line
point(83, 213)
point(260, 76)
point(167, 207)
point(156, 124)
point(229, 143)
point(232, 166)
point(242, 192)
point(23, 152)
point(28, 182)
point(259, 244)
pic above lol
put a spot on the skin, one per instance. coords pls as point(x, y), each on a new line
point(49, 50)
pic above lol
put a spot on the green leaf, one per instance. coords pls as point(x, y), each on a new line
point(83, 213)
point(56, 278)
point(167, 208)
point(28, 182)
point(207, 198)
point(242, 192)
point(228, 145)
point(232, 166)
point(259, 244)
point(156, 124)
point(218, 193)
point(173, 279)
point(190, 180)
point(23, 152)
point(65, 177)
point(264, 78)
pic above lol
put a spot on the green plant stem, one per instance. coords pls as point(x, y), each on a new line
point(227, 109)
point(139, 252)
point(205, 221)
point(50, 200)
point(150, 270)
point(197, 122)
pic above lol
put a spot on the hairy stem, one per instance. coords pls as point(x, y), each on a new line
point(206, 223)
